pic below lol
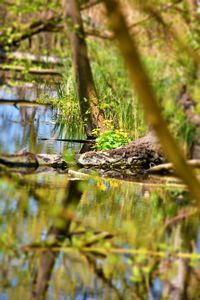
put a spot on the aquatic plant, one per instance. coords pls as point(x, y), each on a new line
point(111, 139)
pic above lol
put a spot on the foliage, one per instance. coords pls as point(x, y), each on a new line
point(111, 139)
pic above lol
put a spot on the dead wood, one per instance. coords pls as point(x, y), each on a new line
point(167, 168)
point(137, 156)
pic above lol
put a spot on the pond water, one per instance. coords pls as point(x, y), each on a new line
point(23, 125)
point(96, 238)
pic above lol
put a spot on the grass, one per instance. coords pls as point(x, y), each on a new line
point(116, 98)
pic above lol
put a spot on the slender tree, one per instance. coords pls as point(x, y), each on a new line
point(91, 114)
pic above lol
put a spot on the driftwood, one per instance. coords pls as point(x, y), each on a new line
point(167, 168)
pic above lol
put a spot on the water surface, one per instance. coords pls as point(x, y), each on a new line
point(23, 126)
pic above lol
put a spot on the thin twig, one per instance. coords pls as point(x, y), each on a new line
point(68, 140)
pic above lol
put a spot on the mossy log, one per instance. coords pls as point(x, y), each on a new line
point(135, 157)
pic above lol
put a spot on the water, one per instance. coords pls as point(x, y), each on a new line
point(134, 219)
point(126, 240)
point(22, 127)
point(26, 91)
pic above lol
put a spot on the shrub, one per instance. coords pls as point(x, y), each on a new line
point(111, 139)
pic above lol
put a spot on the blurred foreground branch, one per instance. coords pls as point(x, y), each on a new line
point(146, 95)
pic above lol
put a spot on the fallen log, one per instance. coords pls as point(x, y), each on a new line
point(135, 157)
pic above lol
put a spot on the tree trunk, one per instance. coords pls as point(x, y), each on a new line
point(91, 114)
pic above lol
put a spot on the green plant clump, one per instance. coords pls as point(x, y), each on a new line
point(111, 139)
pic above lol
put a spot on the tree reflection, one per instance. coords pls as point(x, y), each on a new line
point(57, 233)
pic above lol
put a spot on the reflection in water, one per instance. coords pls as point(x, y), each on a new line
point(111, 216)
point(56, 234)
point(22, 127)
point(26, 91)
point(156, 289)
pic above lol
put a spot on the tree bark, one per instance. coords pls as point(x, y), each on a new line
point(91, 114)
